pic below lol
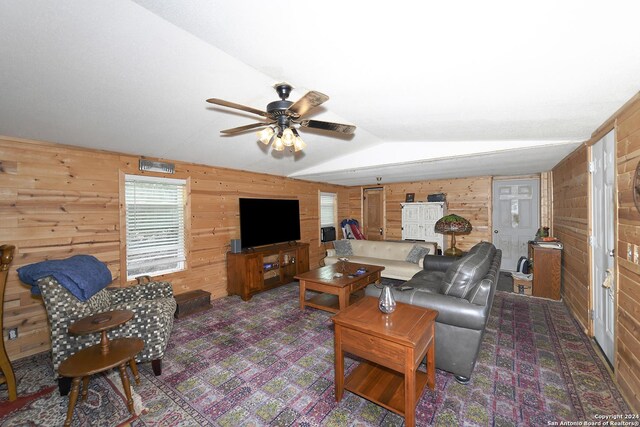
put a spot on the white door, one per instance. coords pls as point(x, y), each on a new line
point(516, 218)
point(603, 244)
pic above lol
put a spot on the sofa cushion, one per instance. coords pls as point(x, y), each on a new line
point(469, 269)
point(427, 281)
point(343, 248)
point(416, 253)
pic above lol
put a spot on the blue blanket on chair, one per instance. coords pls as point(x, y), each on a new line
point(82, 275)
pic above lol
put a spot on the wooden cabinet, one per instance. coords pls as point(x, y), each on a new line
point(253, 271)
point(419, 219)
point(546, 268)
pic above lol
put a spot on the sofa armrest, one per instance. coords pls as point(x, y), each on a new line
point(451, 310)
point(437, 262)
point(331, 252)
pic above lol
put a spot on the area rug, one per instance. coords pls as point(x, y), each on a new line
point(39, 402)
point(266, 362)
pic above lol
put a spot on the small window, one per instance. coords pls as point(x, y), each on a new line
point(328, 210)
point(155, 228)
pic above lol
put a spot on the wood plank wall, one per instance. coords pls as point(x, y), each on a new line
point(627, 361)
point(571, 226)
point(467, 197)
point(546, 200)
point(58, 201)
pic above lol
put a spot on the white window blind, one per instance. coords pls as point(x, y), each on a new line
point(155, 225)
point(328, 210)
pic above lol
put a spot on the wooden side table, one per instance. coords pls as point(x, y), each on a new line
point(100, 357)
point(393, 346)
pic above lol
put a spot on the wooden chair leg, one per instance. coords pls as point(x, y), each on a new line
point(64, 385)
point(156, 364)
point(9, 376)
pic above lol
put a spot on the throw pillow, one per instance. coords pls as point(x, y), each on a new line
point(416, 253)
point(343, 248)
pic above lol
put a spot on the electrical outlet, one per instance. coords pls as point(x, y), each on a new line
point(13, 333)
point(629, 252)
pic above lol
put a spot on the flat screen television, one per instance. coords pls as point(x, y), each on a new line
point(268, 221)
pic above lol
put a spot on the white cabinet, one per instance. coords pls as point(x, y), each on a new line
point(418, 220)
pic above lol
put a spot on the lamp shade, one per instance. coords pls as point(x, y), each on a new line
point(452, 223)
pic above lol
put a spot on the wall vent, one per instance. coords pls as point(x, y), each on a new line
point(150, 166)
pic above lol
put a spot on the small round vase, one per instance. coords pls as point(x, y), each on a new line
point(386, 302)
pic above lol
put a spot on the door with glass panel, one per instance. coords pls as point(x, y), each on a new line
point(516, 218)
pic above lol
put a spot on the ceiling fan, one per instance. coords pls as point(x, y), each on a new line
point(281, 116)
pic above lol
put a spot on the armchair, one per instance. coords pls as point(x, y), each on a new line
point(152, 303)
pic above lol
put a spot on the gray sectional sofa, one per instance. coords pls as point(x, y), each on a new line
point(461, 290)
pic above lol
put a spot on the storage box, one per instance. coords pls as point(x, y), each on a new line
point(522, 286)
point(192, 302)
point(439, 197)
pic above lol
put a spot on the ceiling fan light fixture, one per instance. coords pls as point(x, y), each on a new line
point(280, 118)
point(298, 143)
point(277, 142)
point(265, 135)
point(288, 137)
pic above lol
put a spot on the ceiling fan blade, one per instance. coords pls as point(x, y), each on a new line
point(307, 102)
point(335, 127)
point(237, 106)
point(244, 128)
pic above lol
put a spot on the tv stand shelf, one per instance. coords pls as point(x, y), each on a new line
point(252, 271)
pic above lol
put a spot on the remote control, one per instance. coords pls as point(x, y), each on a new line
point(405, 288)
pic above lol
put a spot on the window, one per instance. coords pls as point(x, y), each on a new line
point(155, 229)
point(328, 210)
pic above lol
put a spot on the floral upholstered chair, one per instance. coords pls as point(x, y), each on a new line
point(76, 287)
point(152, 303)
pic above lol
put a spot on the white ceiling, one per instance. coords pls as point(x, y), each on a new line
point(436, 89)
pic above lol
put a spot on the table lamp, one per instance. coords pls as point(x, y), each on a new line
point(452, 224)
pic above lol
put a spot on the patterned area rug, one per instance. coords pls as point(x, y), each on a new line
point(39, 403)
point(265, 362)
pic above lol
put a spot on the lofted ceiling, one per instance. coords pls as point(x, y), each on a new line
point(436, 89)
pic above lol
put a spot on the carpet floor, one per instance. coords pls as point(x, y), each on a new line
point(266, 362)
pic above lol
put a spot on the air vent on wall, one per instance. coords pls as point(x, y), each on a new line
point(150, 166)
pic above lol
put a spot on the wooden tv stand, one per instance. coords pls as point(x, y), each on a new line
point(252, 271)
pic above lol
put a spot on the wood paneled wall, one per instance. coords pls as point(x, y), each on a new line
point(627, 361)
point(571, 226)
point(58, 201)
point(467, 197)
point(546, 200)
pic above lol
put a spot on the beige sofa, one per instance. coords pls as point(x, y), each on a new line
point(391, 255)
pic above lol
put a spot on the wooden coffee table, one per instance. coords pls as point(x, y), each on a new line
point(100, 357)
point(336, 292)
point(393, 346)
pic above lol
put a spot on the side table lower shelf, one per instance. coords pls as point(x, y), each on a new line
point(382, 385)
